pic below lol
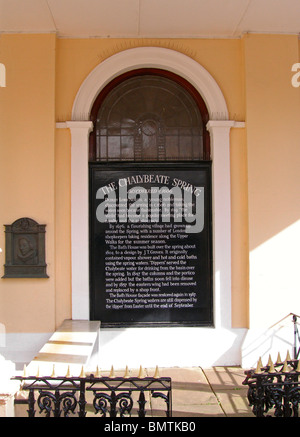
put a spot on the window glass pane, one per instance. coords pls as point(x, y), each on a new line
point(149, 117)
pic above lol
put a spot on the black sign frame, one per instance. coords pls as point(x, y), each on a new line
point(162, 313)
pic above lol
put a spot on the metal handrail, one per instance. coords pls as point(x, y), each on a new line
point(296, 337)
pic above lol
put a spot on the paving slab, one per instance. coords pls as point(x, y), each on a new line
point(212, 392)
point(224, 378)
point(192, 395)
point(226, 383)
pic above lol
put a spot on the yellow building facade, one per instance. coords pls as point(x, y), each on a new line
point(253, 106)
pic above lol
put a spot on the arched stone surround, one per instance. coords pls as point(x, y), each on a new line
point(218, 345)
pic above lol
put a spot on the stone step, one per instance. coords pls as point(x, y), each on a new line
point(73, 345)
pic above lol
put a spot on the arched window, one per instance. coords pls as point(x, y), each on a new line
point(149, 115)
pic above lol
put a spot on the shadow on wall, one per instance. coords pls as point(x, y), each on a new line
point(280, 338)
point(20, 348)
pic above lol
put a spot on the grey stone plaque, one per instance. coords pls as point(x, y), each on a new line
point(25, 250)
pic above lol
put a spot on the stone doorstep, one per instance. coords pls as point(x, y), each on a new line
point(71, 346)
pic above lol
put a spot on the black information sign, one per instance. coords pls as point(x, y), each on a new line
point(150, 244)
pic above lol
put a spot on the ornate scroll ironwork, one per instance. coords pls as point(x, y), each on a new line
point(109, 396)
point(274, 390)
point(111, 404)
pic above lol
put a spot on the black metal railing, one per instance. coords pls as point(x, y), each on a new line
point(274, 389)
point(107, 396)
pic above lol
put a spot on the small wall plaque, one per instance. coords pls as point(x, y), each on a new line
point(25, 250)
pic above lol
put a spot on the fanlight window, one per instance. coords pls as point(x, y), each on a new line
point(148, 117)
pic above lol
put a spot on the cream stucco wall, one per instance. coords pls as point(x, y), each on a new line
point(273, 136)
point(27, 171)
point(43, 76)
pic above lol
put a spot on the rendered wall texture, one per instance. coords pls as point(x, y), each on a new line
point(254, 73)
point(27, 170)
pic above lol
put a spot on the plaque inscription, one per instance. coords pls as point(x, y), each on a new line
point(151, 245)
